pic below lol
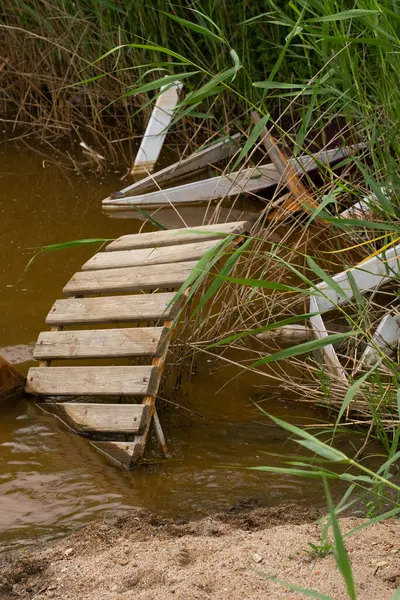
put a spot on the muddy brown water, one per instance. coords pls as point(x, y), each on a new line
point(51, 480)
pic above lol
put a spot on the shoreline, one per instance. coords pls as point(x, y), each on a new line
point(140, 556)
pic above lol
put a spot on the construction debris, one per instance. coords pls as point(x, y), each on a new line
point(248, 180)
point(156, 130)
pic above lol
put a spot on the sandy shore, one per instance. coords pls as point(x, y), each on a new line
point(140, 557)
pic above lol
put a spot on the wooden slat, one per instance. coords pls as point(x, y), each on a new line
point(123, 453)
point(173, 237)
point(138, 341)
point(110, 418)
point(148, 256)
point(129, 279)
point(92, 381)
point(113, 309)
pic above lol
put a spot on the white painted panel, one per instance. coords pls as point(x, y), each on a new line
point(387, 334)
point(156, 130)
point(331, 360)
point(367, 275)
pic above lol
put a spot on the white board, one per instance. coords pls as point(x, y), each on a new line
point(387, 334)
point(331, 361)
point(156, 130)
point(367, 275)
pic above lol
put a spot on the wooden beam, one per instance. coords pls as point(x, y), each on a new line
point(112, 309)
point(92, 381)
point(99, 343)
point(300, 196)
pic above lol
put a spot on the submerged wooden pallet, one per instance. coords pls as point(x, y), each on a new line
point(149, 262)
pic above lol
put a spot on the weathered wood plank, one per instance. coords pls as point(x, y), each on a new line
point(92, 381)
point(113, 309)
point(148, 256)
point(123, 453)
point(195, 162)
point(129, 279)
point(156, 130)
point(98, 343)
point(244, 181)
point(174, 237)
point(111, 418)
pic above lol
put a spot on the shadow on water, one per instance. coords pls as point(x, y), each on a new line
point(51, 480)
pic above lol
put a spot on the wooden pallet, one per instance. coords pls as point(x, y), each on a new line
point(119, 277)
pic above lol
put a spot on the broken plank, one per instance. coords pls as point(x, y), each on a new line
point(386, 336)
point(149, 256)
point(129, 279)
point(300, 197)
point(156, 130)
point(331, 360)
point(195, 162)
point(244, 181)
point(92, 381)
point(99, 417)
point(99, 343)
point(171, 237)
point(367, 275)
point(113, 309)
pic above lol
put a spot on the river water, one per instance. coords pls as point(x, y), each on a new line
point(51, 480)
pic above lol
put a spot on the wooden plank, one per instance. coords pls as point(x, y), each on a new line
point(368, 275)
point(129, 279)
point(105, 418)
point(113, 309)
point(156, 130)
point(331, 360)
point(92, 381)
point(98, 343)
point(174, 237)
point(195, 162)
point(243, 181)
point(386, 336)
point(148, 256)
point(123, 453)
